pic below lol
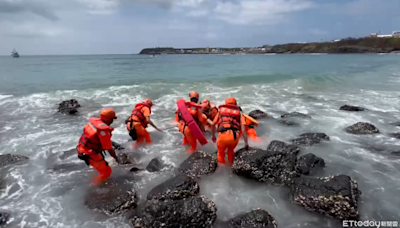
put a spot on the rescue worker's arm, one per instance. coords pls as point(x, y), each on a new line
point(212, 129)
point(105, 139)
point(243, 126)
point(146, 114)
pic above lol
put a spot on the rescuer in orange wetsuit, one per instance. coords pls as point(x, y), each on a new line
point(201, 120)
point(137, 123)
point(250, 129)
point(229, 121)
point(210, 110)
point(95, 139)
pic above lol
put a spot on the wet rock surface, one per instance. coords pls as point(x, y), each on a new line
point(334, 196)
point(155, 165)
point(194, 212)
point(69, 107)
point(296, 115)
point(362, 128)
point(275, 164)
point(287, 122)
point(308, 162)
point(256, 218)
point(199, 164)
point(4, 217)
point(9, 159)
point(258, 114)
point(351, 108)
point(395, 135)
point(309, 139)
point(179, 187)
point(114, 197)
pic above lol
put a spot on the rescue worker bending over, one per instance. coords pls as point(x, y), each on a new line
point(95, 139)
point(195, 110)
point(137, 123)
point(210, 110)
point(229, 121)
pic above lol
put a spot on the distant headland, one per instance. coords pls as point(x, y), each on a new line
point(372, 44)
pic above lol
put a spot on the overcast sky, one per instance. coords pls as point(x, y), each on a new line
point(39, 27)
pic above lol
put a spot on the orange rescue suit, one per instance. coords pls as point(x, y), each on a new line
point(200, 119)
point(95, 139)
point(228, 126)
point(137, 123)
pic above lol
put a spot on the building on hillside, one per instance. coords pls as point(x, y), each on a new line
point(384, 36)
point(374, 34)
point(396, 34)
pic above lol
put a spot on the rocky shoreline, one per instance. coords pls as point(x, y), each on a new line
point(367, 45)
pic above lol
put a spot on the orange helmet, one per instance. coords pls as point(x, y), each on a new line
point(149, 102)
point(194, 94)
point(231, 101)
point(107, 114)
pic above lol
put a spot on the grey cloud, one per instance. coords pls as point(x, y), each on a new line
point(35, 7)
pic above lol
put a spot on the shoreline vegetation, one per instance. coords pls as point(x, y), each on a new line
point(343, 46)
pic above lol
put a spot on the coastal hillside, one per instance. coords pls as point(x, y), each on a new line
point(348, 45)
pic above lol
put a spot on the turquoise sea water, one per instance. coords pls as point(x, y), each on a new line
point(31, 88)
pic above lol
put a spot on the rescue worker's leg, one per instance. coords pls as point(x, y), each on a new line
point(181, 127)
point(251, 132)
point(97, 161)
point(227, 141)
point(142, 134)
point(191, 140)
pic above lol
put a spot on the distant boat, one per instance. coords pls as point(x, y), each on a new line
point(14, 54)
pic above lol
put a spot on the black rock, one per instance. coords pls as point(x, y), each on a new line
point(179, 187)
point(258, 114)
point(4, 217)
point(309, 161)
point(296, 114)
point(112, 198)
point(155, 165)
point(8, 159)
point(395, 135)
point(351, 108)
point(315, 135)
point(258, 218)
point(69, 106)
point(362, 128)
point(287, 122)
point(334, 196)
point(309, 139)
point(194, 212)
point(199, 164)
point(277, 164)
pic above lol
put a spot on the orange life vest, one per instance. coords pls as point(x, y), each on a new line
point(192, 109)
point(137, 111)
point(89, 139)
point(229, 118)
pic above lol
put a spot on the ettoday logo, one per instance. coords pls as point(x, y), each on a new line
point(367, 223)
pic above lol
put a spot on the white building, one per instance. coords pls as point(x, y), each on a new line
point(384, 36)
point(396, 34)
